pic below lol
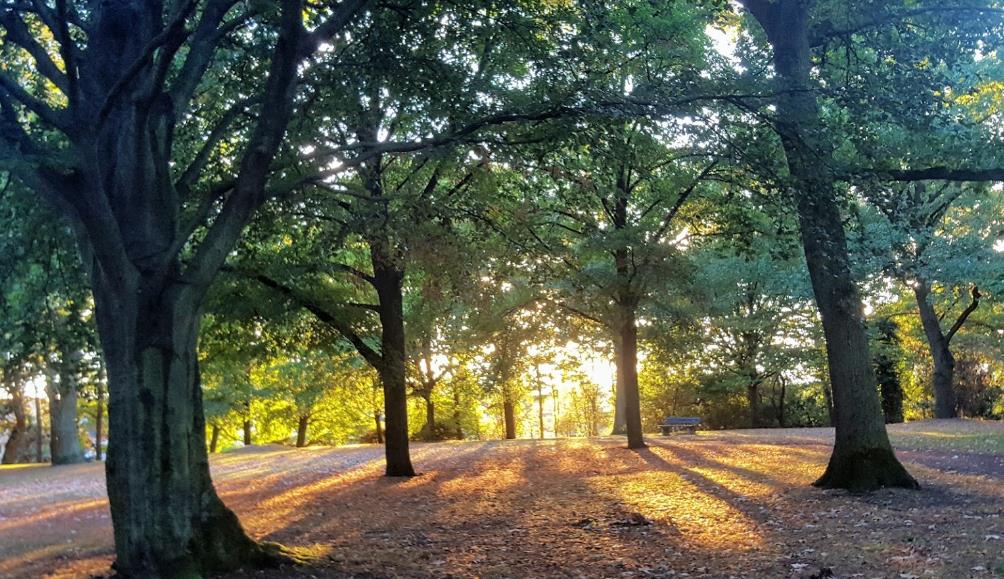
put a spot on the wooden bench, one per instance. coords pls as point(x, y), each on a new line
point(673, 423)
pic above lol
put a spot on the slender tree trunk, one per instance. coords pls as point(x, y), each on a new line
point(620, 417)
point(301, 431)
point(628, 363)
point(388, 280)
point(177, 527)
point(64, 440)
point(753, 399)
point(509, 416)
point(540, 403)
point(39, 432)
point(99, 419)
point(862, 456)
point(248, 441)
point(214, 438)
point(780, 404)
point(15, 446)
point(429, 428)
point(379, 426)
point(941, 355)
point(456, 413)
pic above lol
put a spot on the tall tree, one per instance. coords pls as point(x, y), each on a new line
point(116, 138)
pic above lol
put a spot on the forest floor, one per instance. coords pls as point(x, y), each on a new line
point(718, 504)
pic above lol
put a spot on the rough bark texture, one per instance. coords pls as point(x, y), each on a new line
point(862, 456)
point(177, 527)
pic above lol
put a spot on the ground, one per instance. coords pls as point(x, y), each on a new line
point(718, 504)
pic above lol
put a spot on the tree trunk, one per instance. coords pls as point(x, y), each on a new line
point(167, 518)
point(628, 364)
point(39, 432)
point(15, 446)
point(388, 280)
point(509, 416)
point(540, 404)
point(941, 355)
point(214, 438)
point(780, 404)
point(862, 457)
point(301, 431)
point(64, 440)
point(753, 399)
point(247, 432)
point(99, 419)
point(428, 431)
point(620, 419)
point(456, 413)
point(379, 427)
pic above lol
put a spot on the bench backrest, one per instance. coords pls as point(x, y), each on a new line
point(681, 420)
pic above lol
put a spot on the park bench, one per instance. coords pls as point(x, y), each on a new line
point(674, 423)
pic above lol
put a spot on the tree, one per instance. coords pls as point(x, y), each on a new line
point(116, 140)
point(862, 455)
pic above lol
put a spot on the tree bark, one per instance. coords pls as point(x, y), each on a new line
point(628, 368)
point(862, 457)
point(753, 399)
point(301, 431)
point(620, 417)
point(941, 355)
point(99, 419)
point(379, 427)
point(177, 527)
point(214, 438)
point(388, 279)
point(39, 432)
point(509, 416)
point(19, 433)
point(459, 432)
point(248, 441)
point(64, 440)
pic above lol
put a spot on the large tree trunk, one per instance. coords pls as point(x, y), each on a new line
point(15, 446)
point(509, 417)
point(301, 431)
point(64, 440)
point(941, 355)
point(388, 280)
point(862, 456)
point(167, 518)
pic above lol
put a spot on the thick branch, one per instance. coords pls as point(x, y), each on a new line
point(371, 356)
point(965, 314)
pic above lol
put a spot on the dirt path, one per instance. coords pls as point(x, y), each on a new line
point(714, 505)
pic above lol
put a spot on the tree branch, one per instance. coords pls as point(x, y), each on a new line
point(965, 314)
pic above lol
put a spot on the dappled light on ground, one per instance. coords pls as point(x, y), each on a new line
point(712, 505)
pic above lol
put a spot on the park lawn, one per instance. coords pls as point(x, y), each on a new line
point(719, 504)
